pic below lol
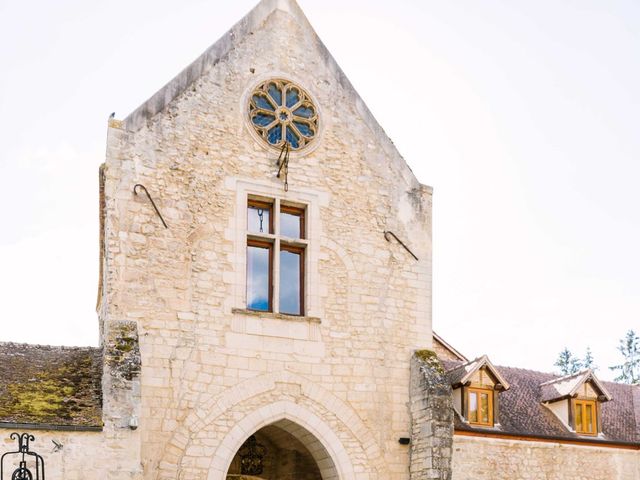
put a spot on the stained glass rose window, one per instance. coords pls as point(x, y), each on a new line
point(282, 111)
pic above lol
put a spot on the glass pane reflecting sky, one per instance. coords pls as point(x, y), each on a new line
point(290, 282)
point(290, 225)
point(258, 278)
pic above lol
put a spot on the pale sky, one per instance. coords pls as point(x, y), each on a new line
point(523, 116)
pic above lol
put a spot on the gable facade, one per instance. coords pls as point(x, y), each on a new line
point(215, 371)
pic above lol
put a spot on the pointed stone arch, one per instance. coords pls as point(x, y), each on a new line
point(323, 444)
point(213, 408)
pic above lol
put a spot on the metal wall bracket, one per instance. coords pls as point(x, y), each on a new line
point(26, 458)
point(135, 191)
point(283, 164)
point(386, 237)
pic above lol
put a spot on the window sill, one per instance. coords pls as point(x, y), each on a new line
point(492, 427)
point(278, 316)
point(481, 425)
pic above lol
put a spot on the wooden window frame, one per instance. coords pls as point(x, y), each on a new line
point(276, 242)
point(582, 404)
point(268, 245)
point(301, 251)
point(298, 211)
point(263, 205)
point(478, 391)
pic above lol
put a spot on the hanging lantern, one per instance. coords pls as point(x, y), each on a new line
point(251, 456)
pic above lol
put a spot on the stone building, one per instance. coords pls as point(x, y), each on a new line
point(517, 423)
point(265, 301)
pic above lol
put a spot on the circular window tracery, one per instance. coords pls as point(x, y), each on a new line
point(280, 111)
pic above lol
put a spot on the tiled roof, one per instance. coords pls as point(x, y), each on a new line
point(59, 386)
point(635, 400)
point(455, 371)
point(569, 384)
point(521, 411)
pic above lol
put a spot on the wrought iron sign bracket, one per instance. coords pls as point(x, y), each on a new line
point(135, 192)
point(23, 472)
point(283, 164)
point(386, 237)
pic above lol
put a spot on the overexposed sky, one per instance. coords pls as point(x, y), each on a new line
point(523, 116)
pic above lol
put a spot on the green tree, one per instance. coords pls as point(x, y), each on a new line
point(588, 361)
point(629, 370)
point(567, 363)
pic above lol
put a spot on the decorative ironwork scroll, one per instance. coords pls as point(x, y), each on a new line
point(27, 459)
point(252, 454)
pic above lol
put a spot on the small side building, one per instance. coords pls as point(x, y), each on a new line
point(517, 423)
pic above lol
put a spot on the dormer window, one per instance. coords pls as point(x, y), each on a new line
point(476, 386)
point(575, 400)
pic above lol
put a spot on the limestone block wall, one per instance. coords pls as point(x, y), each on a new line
point(346, 362)
point(111, 454)
point(480, 458)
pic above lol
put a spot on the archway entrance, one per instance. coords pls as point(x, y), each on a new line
point(282, 450)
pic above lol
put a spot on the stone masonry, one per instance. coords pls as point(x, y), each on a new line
point(478, 458)
point(207, 364)
point(431, 419)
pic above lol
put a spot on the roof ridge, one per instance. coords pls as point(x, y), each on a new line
point(553, 380)
point(526, 370)
point(567, 377)
point(532, 371)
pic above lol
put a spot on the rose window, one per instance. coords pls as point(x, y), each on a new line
point(280, 112)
